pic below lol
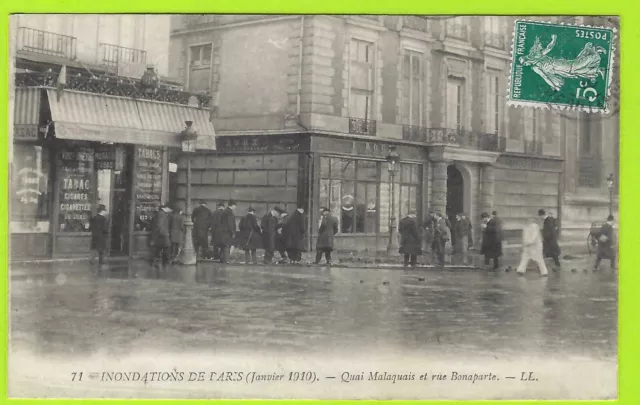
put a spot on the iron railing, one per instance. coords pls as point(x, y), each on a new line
point(112, 55)
point(415, 22)
point(360, 126)
point(457, 30)
point(494, 40)
point(458, 137)
point(46, 43)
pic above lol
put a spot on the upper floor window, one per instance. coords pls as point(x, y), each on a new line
point(458, 27)
point(455, 97)
point(493, 104)
point(201, 55)
point(361, 79)
point(412, 88)
point(494, 35)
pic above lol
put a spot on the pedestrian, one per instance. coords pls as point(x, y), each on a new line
point(441, 235)
point(249, 234)
point(606, 244)
point(410, 240)
point(532, 248)
point(550, 247)
point(281, 230)
point(201, 217)
point(328, 228)
point(176, 231)
point(462, 233)
point(99, 233)
point(268, 223)
point(429, 225)
point(160, 235)
point(491, 246)
point(295, 235)
point(227, 230)
point(216, 234)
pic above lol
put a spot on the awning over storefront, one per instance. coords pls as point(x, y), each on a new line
point(26, 113)
point(97, 117)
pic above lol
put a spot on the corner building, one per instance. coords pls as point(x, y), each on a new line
point(306, 108)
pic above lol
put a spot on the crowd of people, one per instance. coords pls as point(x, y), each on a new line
point(215, 235)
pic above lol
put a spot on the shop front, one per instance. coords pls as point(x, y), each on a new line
point(94, 150)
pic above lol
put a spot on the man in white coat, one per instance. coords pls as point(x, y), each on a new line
point(532, 248)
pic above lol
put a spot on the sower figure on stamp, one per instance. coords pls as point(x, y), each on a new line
point(176, 231)
point(532, 248)
point(491, 246)
point(550, 247)
point(249, 235)
point(295, 233)
point(606, 244)
point(99, 233)
point(268, 224)
point(327, 229)
point(216, 231)
point(201, 217)
point(410, 240)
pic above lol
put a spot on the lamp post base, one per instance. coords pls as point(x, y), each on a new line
point(188, 256)
point(392, 247)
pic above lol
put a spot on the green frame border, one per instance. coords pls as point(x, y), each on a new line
point(629, 33)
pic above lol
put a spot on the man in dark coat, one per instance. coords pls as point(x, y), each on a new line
point(99, 233)
point(295, 234)
point(176, 223)
point(281, 229)
point(201, 218)
point(462, 236)
point(441, 235)
point(491, 246)
point(268, 224)
point(160, 235)
point(429, 226)
point(550, 247)
point(216, 234)
point(227, 230)
point(606, 244)
point(410, 240)
point(328, 228)
point(249, 235)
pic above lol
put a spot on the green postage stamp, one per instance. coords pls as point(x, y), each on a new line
point(561, 66)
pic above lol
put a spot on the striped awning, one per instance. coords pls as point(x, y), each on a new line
point(26, 113)
point(97, 117)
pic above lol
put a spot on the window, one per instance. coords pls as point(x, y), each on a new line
point(493, 32)
point(201, 55)
point(458, 27)
point(412, 88)
point(361, 79)
point(493, 104)
point(30, 189)
point(589, 159)
point(455, 88)
point(534, 124)
point(76, 188)
point(407, 182)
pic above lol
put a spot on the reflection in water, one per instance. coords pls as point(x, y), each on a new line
point(60, 309)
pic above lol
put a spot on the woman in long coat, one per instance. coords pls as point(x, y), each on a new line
point(328, 228)
point(410, 240)
point(249, 236)
point(491, 241)
point(99, 232)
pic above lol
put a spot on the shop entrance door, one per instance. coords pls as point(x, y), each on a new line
point(114, 191)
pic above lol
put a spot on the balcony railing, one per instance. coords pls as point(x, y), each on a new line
point(457, 30)
point(112, 55)
point(360, 126)
point(457, 137)
point(46, 43)
point(494, 40)
point(415, 22)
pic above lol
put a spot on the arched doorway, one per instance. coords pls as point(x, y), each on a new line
point(455, 194)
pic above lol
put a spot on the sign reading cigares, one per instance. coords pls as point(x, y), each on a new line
point(148, 189)
point(76, 189)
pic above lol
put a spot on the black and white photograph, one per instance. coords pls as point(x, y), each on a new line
point(244, 206)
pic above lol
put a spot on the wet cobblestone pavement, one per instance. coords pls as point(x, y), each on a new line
point(74, 311)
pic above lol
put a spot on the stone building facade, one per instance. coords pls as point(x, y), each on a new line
point(434, 87)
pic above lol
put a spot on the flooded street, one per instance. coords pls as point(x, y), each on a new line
point(69, 318)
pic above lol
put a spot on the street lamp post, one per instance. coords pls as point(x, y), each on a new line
point(610, 186)
point(392, 160)
point(189, 138)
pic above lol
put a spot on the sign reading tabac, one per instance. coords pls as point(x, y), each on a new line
point(561, 66)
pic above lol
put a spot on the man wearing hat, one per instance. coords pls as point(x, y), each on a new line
point(441, 235)
point(269, 223)
point(100, 232)
point(216, 226)
point(462, 233)
point(328, 228)
point(160, 236)
point(176, 225)
point(295, 233)
point(410, 240)
point(550, 247)
point(606, 244)
point(249, 234)
point(201, 218)
point(227, 230)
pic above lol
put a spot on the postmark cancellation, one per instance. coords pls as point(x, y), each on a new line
point(561, 66)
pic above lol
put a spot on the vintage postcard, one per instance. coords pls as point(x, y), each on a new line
point(246, 206)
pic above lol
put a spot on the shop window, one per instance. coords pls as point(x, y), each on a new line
point(30, 189)
point(406, 195)
point(76, 188)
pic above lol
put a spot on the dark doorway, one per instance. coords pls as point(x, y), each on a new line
point(455, 194)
